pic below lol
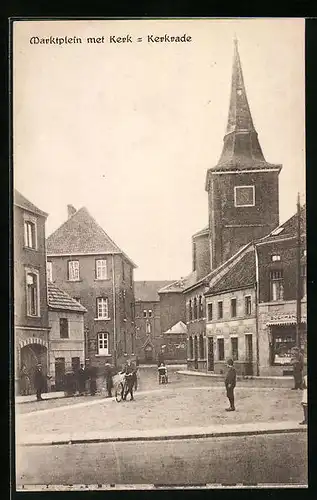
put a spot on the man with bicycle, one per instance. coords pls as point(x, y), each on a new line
point(129, 373)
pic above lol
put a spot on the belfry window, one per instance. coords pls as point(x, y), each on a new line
point(244, 196)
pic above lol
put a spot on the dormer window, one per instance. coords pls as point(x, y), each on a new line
point(244, 196)
point(275, 258)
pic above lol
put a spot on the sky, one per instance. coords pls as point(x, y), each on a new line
point(128, 130)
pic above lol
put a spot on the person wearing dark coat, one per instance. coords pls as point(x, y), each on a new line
point(92, 380)
point(230, 383)
point(130, 380)
point(81, 379)
point(39, 382)
point(108, 378)
point(298, 366)
point(25, 381)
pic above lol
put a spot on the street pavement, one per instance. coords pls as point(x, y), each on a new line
point(265, 459)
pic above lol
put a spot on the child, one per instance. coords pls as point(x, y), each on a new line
point(304, 402)
point(162, 373)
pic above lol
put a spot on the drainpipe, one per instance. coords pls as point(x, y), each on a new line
point(256, 289)
point(114, 315)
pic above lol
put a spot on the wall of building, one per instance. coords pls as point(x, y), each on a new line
point(88, 289)
point(172, 309)
point(260, 219)
point(142, 337)
point(201, 255)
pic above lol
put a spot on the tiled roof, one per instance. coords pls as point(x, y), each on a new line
point(180, 285)
point(60, 300)
point(146, 291)
point(81, 234)
point(178, 328)
point(241, 275)
point(20, 201)
point(288, 228)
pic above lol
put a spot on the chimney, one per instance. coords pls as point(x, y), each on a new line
point(71, 210)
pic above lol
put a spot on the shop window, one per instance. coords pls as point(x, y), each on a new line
point(220, 309)
point(210, 311)
point(276, 285)
point(234, 348)
point(283, 342)
point(247, 305)
point(233, 308)
point(221, 349)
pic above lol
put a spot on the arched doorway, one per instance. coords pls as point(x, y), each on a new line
point(148, 352)
point(31, 355)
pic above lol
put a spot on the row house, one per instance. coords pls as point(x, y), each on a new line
point(148, 319)
point(85, 262)
point(31, 323)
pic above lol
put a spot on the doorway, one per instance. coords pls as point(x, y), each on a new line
point(148, 351)
point(59, 374)
point(211, 358)
point(248, 354)
point(31, 355)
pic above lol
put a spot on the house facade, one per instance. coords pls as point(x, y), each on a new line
point(31, 324)
point(83, 261)
point(148, 319)
point(67, 336)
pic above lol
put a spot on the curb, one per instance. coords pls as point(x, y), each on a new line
point(221, 376)
point(172, 436)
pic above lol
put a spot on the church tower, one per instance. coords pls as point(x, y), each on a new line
point(243, 187)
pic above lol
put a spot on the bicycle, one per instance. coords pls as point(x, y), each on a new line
point(120, 387)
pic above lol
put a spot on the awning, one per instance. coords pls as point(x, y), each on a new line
point(285, 320)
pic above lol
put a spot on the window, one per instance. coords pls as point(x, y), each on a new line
point(201, 347)
point(304, 279)
point(49, 271)
point(190, 310)
point(275, 258)
point(276, 285)
point(210, 311)
point(200, 307)
point(195, 308)
point(244, 196)
point(73, 270)
point(234, 348)
point(32, 295)
point(233, 308)
point(283, 341)
point(145, 313)
point(102, 308)
point(150, 313)
point(220, 309)
point(221, 349)
point(63, 328)
point(101, 269)
point(191, 348)
point(103, 344)
point(247, 305)
point(148, 327)
point(30, 232)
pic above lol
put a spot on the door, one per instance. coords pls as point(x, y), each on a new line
point(248, 354)
point(148, 353)
point(31, 355)
point(210, 354)
point(59, 374)
point(196, 352)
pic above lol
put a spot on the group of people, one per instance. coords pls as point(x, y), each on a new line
point(130, 372)
point(300, 381)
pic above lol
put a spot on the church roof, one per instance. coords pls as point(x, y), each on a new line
point(147, 291)
point(81, 234)
point(20, 201)
point(241, 148)
point(60, 300)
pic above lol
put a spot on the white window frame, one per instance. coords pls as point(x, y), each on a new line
point(102, 308)
point(71, 271)
point(103, 344)
point(212, 311)
point(245, 305)
point(49, 271)
point(31, 220)
point(150, 313)
point(101, 269)
point(144, 313)
point(36, 273)
point(235, 196)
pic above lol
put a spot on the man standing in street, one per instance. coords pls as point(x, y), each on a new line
point(230, 383)
point(129, 377)
point(298, 366)
point(25, 381)
point(39, 382)
point(108, 379)
point(81, 379)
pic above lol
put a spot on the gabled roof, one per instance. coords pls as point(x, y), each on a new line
point(180, 285)
point(60, 300)
point(241, 275)
point(147, 291)
point(178, 328)
point(20, 201)
point(241, 148)
point(288, 229)
point(81, 234)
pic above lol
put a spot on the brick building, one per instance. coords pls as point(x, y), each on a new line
point(67, 337)
point(148, 319)
point(30, 288)
point(83, 261)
